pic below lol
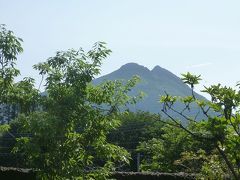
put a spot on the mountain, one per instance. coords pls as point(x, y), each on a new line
point(153, 83)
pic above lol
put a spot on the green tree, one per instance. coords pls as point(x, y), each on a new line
point(161, 153)
point(68, 138)
point(15, 98)
point(10, 47)
point(135, 127)
point(220, 128)
point(62, 134)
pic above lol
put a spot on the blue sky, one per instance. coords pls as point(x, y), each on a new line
point(202, 37)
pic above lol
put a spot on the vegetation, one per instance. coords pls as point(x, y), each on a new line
point(78, 130)
point(210, 147)
point(135, 128)
point(65, 131)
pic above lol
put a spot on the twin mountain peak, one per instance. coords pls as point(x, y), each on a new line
point(154, 83)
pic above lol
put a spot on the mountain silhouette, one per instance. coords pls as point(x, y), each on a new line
point(154, 83)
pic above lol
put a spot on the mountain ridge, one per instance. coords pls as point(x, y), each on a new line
point(154, 83)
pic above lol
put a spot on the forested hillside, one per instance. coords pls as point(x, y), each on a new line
point(154, 83)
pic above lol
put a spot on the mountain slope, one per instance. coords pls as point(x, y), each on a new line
point(154, 83)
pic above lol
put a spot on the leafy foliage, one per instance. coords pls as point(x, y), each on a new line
point(161, 153)
point(209, 165)
point(63, 134)
point(10, 47)
point(68, 139)
point(158, 154)
point(135, 127)
point(221, 129)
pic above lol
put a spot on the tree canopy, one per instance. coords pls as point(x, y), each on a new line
point(63, 133)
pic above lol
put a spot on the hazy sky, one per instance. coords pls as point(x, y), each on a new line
point(200, 36)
